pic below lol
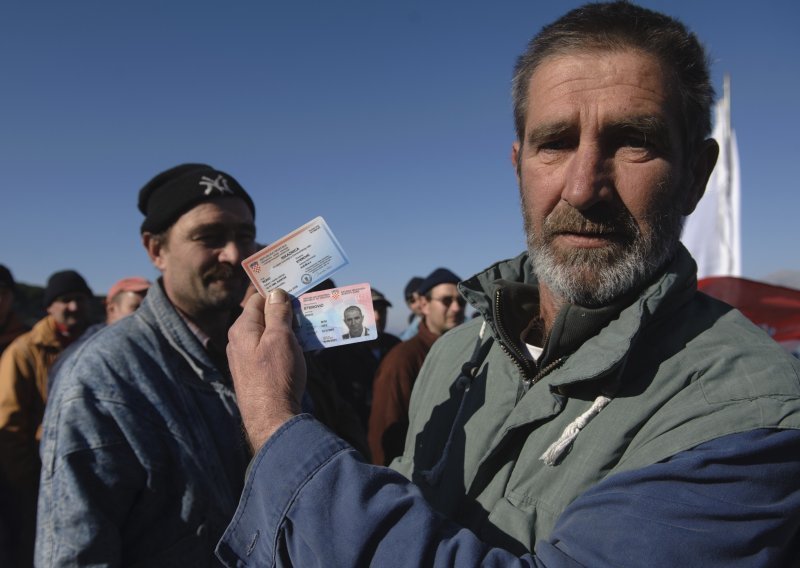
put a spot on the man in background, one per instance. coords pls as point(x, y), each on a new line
point(442, 309)
point(413, 302)
point(353, 366)
point(123, 298)
point(11, 326)
point(24, 370)
point(143, 456)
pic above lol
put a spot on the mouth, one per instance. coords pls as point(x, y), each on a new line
point(588, 239)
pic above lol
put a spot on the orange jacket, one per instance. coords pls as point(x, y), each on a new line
point(23, 392)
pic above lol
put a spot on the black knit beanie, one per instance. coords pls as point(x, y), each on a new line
point(63, 283)
point(173, 192)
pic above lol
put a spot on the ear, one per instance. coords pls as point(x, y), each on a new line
point(700, 169)
point(516, 156)
point(424, 305)
point(155, 248)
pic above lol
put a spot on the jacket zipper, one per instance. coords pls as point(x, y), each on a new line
point(526, 367)
point(553, 365)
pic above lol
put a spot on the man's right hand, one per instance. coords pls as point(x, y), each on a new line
point(267, 364)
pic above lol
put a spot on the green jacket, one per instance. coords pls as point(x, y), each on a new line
point(679, 368)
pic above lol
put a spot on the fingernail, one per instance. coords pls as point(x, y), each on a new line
point(278, 296)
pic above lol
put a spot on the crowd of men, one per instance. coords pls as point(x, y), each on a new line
point(143, 441)
point(596, 411)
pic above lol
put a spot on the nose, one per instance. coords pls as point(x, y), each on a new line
point(231, 253)
point(587, 180)
point(72, 305)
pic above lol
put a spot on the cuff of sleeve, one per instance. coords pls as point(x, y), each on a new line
point(277, 474)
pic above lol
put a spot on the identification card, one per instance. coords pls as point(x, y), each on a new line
point(338, 316)
point(297, 262)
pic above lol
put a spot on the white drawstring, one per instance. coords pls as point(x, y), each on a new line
point(554, 452)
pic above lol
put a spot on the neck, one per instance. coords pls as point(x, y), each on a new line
point(549, 306)
point(435, 332)
point(214, 324)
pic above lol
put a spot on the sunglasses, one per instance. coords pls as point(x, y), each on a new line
point(447, 301)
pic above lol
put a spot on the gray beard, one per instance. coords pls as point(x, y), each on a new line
point(596, 277)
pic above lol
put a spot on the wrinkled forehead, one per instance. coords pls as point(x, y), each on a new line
point(627, 75)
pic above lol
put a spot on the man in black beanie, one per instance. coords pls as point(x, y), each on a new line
point(24, 367)
point(145, 444)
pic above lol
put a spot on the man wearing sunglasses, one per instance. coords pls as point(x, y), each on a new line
point(442, 309)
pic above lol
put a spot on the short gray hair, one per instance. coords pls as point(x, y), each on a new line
point(615, 26)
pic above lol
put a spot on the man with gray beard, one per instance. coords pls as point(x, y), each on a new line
point(600, 411)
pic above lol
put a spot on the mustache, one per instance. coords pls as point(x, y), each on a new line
point(600, 220)
point(222, 271)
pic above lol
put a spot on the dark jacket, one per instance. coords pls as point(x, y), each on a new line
point(391, 393)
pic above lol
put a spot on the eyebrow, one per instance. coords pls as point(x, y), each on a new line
point(548, 131)
point(223, 227)
point(652, 127)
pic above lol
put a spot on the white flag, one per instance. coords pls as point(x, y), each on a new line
point(712, 232)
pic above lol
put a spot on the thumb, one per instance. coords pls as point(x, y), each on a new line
point(278, 310)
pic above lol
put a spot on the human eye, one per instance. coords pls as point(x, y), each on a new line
point(247, 236)
point(635, 140)
point(210, 238)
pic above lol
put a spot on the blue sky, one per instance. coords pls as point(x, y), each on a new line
point(390, 119)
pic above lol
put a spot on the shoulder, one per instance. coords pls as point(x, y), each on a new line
point(732, 346)
point(129, 352)
point(458, 342)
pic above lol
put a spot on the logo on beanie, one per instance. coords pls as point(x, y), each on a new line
point(220, 184)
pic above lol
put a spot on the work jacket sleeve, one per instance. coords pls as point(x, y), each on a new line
point(732, 501)
point(310, 501)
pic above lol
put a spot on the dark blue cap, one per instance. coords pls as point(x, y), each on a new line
point(438, 276)
point(412, 287)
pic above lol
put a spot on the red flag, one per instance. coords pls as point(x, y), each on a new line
point(774, 308)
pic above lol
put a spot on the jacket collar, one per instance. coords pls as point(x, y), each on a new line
point(507, 296)
point(157, 309)
point(43, 333)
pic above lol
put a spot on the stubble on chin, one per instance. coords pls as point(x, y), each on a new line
point(596, 276)
point(225, 287)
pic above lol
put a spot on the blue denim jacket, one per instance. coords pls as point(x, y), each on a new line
point(143, 455)
point(732, 501)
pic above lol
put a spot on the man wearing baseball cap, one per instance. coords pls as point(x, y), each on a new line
point(146, 446)
point(124, 297)
point(415, 305)
point(24, 368)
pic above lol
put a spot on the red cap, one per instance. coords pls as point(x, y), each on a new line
point(132, 284)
